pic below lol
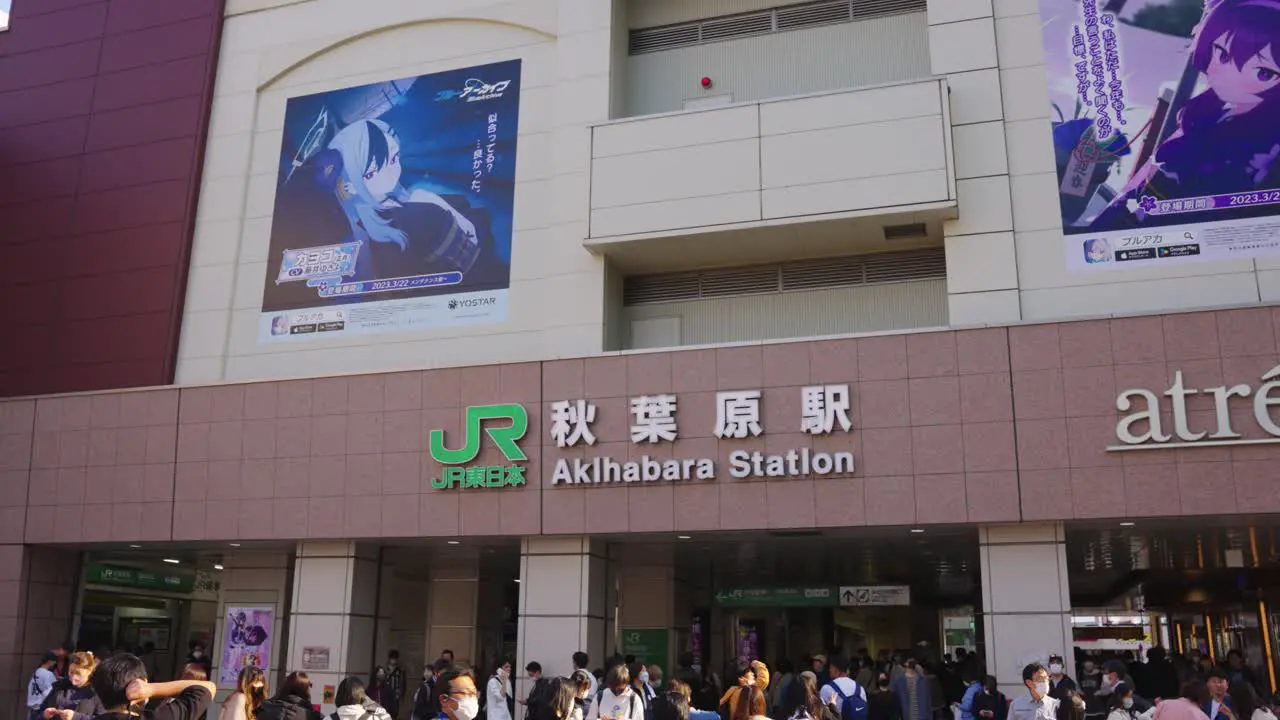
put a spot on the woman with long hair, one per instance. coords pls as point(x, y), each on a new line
point(73, 691)
point(354, 704)
point(560, 700)
point(292, 702)
point(1247, 705)
point(800, 700)
point(754, 676)
point(750, 704)
point(251, 692)
point(684, 690)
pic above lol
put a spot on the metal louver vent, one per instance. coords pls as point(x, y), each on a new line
point(737, 26)
point(740, 281)
point(863, 9)
point(660, 288)
point(662, 38)
point(900, 267)
point(905, 232)
point(895, 267)
point(824, 273)
point(780, 19)
point(821, 13)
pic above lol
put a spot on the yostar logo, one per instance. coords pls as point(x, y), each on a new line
point(455, 303)
point(457, 472)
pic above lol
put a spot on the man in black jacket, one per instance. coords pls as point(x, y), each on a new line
point(536, 703)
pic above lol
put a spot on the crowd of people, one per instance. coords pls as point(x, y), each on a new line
point(893, 686)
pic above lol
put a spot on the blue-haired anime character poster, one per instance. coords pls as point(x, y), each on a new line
point(394, 207)
point(1166, 129)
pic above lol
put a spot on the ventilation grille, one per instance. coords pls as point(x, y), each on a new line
point(790, 17)
point(807, 275)
point(914, 231)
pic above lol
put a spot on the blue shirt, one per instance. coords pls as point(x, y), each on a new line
point(966, 704)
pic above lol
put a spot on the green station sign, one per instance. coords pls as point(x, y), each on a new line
point(139, 579)
point(762, 597)
point(460, 470)
point(649, 646)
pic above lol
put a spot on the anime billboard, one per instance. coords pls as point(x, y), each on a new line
point(393, 207)
point(1166, 129)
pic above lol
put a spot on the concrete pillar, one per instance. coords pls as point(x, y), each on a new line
point(982, 271)
point(1025, 598)
point(37, 588)
point(566, 601)
point(335, 586)
point(451, 607)
point(252, 580)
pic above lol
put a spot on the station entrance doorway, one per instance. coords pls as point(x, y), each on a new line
point(1205, 591)
point(784, 597)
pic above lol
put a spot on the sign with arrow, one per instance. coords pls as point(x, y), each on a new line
point(875, 596)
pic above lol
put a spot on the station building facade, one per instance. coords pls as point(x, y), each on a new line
point(730, 327)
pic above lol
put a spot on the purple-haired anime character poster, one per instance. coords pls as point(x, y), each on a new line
point(1166, 129)
point(246, 642)
point(393, 208)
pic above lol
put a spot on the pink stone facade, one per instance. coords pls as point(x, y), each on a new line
point(971, 426)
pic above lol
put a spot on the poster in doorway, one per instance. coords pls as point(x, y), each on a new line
point(750, 637)
point(247, 642)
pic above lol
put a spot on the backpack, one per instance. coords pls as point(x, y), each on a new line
point(631, 710)
point(425, 706)
point(852, 706)
point(537, 698)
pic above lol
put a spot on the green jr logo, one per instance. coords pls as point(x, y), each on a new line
point(505, 437)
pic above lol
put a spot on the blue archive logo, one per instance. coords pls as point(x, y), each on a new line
point(475, 90)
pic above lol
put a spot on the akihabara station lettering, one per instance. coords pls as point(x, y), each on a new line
point(824, 408)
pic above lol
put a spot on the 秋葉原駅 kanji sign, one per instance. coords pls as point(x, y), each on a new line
point(824, 409)
point(505, 425)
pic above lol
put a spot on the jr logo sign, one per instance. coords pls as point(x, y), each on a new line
point(505, 426)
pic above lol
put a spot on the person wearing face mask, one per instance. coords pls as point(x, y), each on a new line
point(121, 684)
point(198, 656)
point(1036, 704)
point(1114, 674)
point(456, 695)
point(640, 685)
point(1121, 705)
point(394, 690)
point(538, 692)
point(883, 704)
point(1060, 685)
point(498, 693)
point(616, 700)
